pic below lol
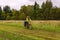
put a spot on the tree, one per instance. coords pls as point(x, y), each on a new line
point(7, 11)
point(36, 10)
point(46, 7)
point(27, 10)
point(46, 12)
point(3, 16)
point(22, 16)
point(56, 13)
point(0, 13)
point(23, 9)
point(15, 14)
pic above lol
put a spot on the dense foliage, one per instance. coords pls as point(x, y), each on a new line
point(45, 12)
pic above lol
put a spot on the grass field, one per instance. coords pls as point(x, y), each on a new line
point(40, 30)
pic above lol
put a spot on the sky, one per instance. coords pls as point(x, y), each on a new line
point(16, 4)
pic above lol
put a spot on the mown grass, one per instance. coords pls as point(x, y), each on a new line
point(46, 30)
point(12, 36)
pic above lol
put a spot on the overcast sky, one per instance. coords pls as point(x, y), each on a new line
point(16, 4)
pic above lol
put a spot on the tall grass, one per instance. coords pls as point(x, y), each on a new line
point(47, 25)
point(36, 25)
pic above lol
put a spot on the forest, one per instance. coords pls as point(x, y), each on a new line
point(44, 12)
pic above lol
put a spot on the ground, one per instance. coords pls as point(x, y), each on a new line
point(40, 30)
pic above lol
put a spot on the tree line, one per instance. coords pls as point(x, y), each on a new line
point(46, 12)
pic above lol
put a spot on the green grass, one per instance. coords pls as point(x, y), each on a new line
point(40, 31)
point(11, 36)
point(48, 26)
